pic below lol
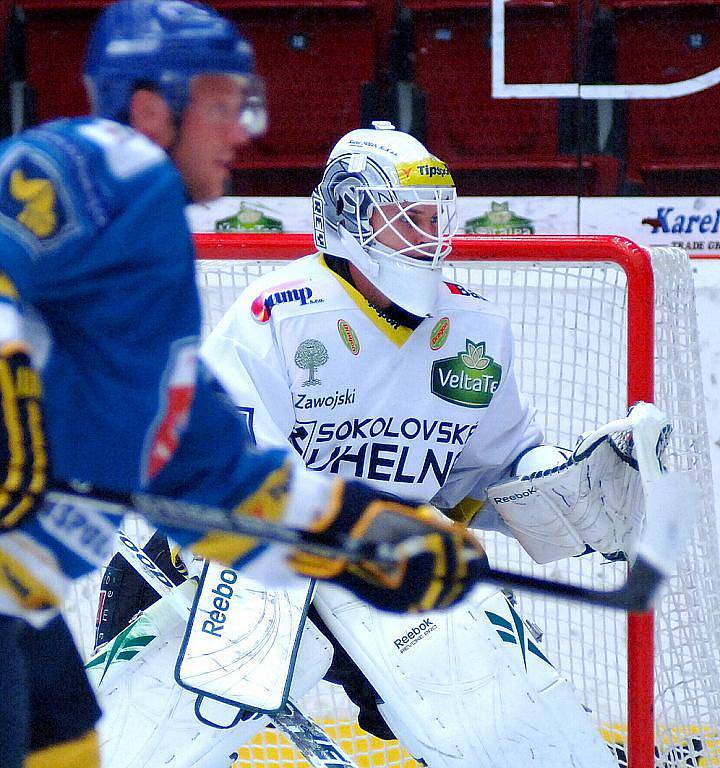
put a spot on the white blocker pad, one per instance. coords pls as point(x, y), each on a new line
point(150, 721)
point(468, 687)
point(242, 639)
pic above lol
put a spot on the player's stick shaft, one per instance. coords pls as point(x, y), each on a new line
point(636, 594)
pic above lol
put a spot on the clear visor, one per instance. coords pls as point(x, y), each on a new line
point(253, 115)
point(411, 224)
point(249, 109)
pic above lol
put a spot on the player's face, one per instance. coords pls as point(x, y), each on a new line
point(399, 226)
point(209, 135)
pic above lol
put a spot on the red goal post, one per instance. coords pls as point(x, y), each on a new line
point(672, 742)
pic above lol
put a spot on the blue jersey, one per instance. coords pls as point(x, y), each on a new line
point(93, 233)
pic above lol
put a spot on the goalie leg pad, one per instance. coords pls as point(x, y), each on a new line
point(236, 624)
point(149, 720)
point(468, 687)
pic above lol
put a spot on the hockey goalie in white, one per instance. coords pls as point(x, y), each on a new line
point(374, 367)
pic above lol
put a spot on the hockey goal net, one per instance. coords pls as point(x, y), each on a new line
point(599, 323)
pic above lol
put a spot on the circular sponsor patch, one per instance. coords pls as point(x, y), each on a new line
point(439, 333)
point(348, 336)
point(260, 310)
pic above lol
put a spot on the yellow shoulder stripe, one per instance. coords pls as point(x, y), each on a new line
point(398, 335)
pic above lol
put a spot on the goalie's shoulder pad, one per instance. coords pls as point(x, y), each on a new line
point(295, 288)
point(469, 298)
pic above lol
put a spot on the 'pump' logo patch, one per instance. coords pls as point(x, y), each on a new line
point(470, 378)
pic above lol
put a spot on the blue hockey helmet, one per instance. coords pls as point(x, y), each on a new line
point(164, 44)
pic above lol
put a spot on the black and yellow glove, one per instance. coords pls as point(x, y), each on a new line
point(23, 451)
point(441, 564)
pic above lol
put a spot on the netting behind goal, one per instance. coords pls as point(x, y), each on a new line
point(584, 313)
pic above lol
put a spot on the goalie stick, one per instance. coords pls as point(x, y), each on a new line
point(658, 549)
point(309, 738)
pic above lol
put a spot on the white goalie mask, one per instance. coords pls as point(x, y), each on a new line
point(389, 207)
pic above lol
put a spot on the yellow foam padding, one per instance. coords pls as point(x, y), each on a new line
point(675, 738)
point(78, 753)
point(464, 511)
point(267, 503)
point(272, 749)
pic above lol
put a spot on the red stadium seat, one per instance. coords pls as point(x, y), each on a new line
point(508, 145)
point(672, 145)
point(5, 13)
point(57, 32)
point(318, 59)
point(5, 75)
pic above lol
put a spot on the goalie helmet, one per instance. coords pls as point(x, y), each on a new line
point(389, 172)
point(164, 44)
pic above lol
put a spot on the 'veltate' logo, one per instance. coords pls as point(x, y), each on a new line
point(470, 379)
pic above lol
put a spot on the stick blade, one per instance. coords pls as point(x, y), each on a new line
point(673, 502)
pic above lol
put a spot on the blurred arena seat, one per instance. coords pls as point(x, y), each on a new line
point(319, 60)
point(56, 33)
point(5, 67)
point(672, 146)
point(527, 146)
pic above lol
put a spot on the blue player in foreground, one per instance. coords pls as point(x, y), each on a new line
point(96, 261)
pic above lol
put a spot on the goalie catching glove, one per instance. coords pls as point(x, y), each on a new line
point(560, 501)
point(23, 454)
point(438, 561)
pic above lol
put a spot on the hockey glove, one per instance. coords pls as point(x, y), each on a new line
point(439, 564)
point(23, 454)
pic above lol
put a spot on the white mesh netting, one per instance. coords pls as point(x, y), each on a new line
point(571, 329)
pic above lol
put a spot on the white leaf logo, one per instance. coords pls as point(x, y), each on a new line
point(474, 358)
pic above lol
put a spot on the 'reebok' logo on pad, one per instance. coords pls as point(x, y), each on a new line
point(471, 378)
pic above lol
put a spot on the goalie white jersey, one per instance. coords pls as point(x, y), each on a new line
point(433, 413)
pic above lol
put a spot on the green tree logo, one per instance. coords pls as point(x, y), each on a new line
point(310, 355)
